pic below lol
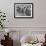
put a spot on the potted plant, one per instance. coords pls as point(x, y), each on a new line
point(2, 19)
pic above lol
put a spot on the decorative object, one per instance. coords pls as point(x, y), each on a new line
point(8, 40)
point(7, 30)
point(23, 10)
point(2, 18)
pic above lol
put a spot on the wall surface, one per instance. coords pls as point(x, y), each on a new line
point(39, 13)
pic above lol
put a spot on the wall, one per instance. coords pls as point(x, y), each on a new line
point(39, 11)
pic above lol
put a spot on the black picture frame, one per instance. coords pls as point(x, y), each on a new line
point(23, 10)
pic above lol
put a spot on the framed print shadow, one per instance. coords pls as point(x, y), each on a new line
point(23, 10)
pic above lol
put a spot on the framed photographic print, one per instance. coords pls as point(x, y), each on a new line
point(23, 10)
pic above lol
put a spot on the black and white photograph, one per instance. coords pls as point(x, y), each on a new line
point(23, 10)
